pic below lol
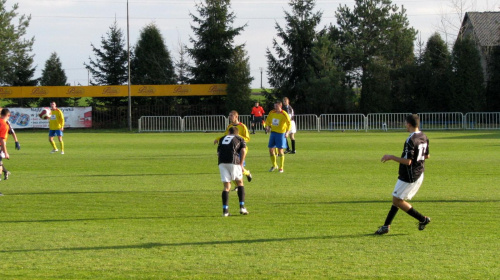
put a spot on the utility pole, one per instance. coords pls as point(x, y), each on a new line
point(261, 70)
point(129, 95)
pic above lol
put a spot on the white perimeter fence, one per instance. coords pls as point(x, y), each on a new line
point(330, 122)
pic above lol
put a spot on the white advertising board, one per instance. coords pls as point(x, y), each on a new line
point(74, 117)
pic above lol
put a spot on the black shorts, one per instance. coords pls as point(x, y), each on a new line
point(257, 119)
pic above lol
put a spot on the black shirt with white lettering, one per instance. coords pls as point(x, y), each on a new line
point(416, 148)
point(229, 149)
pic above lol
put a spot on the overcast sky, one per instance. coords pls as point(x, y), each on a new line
point(68, 27)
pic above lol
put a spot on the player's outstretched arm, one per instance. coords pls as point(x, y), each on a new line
point(396, 159)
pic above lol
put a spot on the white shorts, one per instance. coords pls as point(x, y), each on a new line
point(293, 128)
point(230, 172)
point(405, 190)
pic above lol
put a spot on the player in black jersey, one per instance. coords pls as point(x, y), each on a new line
point(232, 152)
point(411, 174)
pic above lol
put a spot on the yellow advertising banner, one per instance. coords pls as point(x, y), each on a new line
point(113, 91)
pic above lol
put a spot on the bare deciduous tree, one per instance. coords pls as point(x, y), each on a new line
point(453, 14)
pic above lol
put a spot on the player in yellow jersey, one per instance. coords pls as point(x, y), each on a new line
point(242, 132)
point(278, 123)
point(56, 127)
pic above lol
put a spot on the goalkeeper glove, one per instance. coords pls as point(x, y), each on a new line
point(18, 146)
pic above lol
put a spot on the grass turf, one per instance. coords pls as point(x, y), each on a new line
point(148, 206)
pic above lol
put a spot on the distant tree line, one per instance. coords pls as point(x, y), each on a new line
point(366, 63)
point(214, 55)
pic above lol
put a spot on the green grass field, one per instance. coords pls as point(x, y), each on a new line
point(147, 206)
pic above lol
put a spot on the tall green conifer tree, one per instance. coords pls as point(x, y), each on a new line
point(53, 75)
point(468, 91)
point(152, 65)
point(288, 70)
point(110, 65)
point(436, 94)
point(376, 39)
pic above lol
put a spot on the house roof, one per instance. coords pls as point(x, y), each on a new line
point(486, 27)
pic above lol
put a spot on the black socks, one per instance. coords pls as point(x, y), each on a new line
point(415, 214)
point(391, 215)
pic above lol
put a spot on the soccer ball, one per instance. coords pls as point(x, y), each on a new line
point(45, 114)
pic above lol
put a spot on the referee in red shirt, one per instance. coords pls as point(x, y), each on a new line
point(257, 116)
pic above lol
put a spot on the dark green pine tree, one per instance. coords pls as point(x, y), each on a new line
point(110, 65)
point(16, 63)
point(468, 79)
point(53, 75)
point(21, 73)
point(152, 65)
point(213, 42)
point(212, 48)
point(326, 80)
point(435, 95)
point(376, 86)
point(405, 88)
point(182, 66)
point(407, 82)
point(376, 39)
point(493, 85)
point(287, 71)
point(238, 83)
point(13, 46)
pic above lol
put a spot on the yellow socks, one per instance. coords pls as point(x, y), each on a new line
point(282, 161)
point(53, 145)
point(273, 160)
point(62, 146)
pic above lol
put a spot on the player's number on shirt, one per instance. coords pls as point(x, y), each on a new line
point(421, 151)
point(227, 140)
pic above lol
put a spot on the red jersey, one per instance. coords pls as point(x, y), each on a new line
point(4, 129)
point(258, 111)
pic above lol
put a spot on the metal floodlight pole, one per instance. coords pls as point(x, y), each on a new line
point(128, 54)
point(261, 69)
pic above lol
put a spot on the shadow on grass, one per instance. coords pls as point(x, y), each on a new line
point(492, 135)
point(175, 156)
point(103, 192)
point(97, 219)
point(125, 175)
point(388, 201)
point(204, 243)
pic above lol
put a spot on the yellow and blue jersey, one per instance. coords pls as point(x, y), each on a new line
point(279, 122)
point(242, 131)
point(56, 121)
